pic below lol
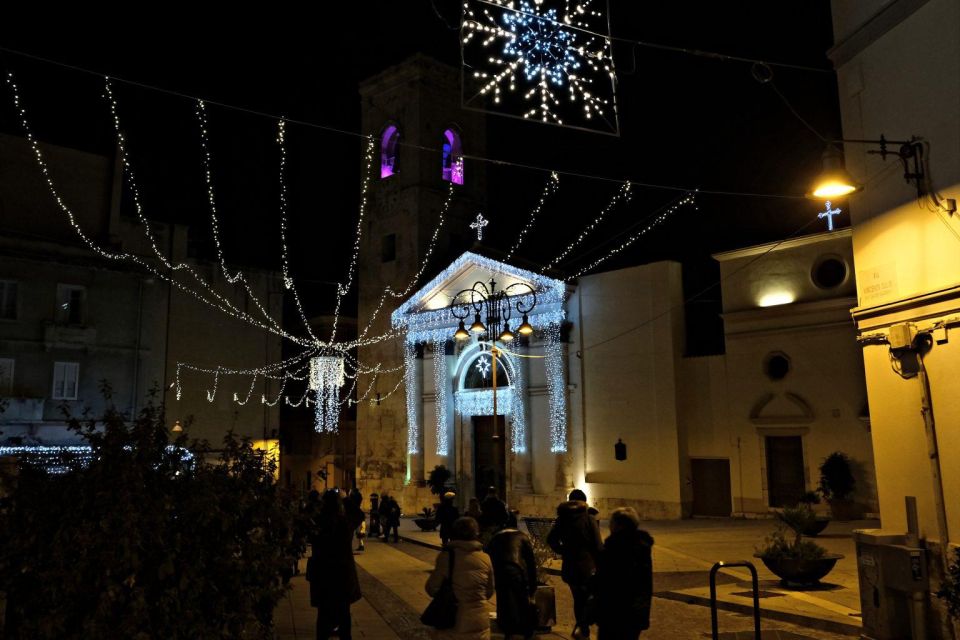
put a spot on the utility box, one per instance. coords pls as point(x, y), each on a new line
point(890, 573)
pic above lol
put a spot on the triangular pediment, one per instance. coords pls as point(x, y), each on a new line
point(462, 274)
point(777, 409)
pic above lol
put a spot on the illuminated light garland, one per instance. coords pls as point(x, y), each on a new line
point(344, 288)
point(326, 378)
point(53, 458)
point(551, 187)
point(225, 307)
point(545, 54)
point(236, 277)
point(413, 400)
point(253, 383)
point(388, 291)
point(557, 389)
point(623, 195)
point(479, 402)
point(689, 199)
point(441, 397)
point(288, 283)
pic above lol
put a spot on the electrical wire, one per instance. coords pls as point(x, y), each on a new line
point(409, 145)
point(713, 55)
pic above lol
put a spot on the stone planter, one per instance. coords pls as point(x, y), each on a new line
point(816, 527)
point(426, 524)
point(800, 571)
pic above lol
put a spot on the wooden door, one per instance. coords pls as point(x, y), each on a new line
point(489, 455)
point(785, 482)
point(711, 486)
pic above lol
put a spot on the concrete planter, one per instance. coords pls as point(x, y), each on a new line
point(800, 571)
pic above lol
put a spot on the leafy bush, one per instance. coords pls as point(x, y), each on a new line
point(810, 498)
point(428, 513)
point(950, 587)
point(792, 520)
point(777, 545)
point(798, 519)
point(146, 541)
point(437, 480)
point(836, 477)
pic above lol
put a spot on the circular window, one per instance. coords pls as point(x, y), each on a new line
point(829, 273)
point(776, 366)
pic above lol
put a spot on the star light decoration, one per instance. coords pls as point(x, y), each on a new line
point(544, 60)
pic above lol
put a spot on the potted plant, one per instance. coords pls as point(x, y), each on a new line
point(427, 520)
point(811, 522)
point(797, 562)
point(837, 485)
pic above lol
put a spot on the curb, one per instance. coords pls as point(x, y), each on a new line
point(809, 622)
point(437, 547)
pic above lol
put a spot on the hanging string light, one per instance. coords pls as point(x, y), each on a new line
point(326, 379)
point(623, 195)
point(553, 183)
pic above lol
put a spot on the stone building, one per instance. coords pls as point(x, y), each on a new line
point(71, 318)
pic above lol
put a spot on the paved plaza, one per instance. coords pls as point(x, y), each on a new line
point(392, 578)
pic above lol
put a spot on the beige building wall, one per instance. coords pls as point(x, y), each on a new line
point(898, 69)
point(629, 324)
point(774, 305)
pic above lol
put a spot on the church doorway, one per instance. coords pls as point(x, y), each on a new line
point(489, 455)
point(711, 486)
point(785, 482)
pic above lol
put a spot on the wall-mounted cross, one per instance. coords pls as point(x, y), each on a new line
point(479, 224)
point(828, 214)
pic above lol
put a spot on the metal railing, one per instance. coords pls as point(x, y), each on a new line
point(713, 596)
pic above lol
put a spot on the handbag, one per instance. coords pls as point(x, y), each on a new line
point(441, 613)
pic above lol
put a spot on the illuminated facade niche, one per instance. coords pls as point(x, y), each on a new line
point(389, 148)
point(465, 372)
point(452, 162)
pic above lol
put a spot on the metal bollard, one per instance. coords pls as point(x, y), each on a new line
point(713, 596)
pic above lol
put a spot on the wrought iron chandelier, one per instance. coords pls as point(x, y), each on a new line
point(496, 307)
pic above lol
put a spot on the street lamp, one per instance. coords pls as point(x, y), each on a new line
point(498, 306)
point(834, 181)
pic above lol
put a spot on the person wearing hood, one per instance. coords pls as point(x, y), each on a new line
point(472, 581)
point(575, 536)
point(447, 514)
point(623, 585)
point(515, 574)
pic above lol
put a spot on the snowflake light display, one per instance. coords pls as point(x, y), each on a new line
point(545, 60)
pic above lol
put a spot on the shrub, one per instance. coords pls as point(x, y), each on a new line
point(836, 477)
point(437, 480)
point(950, 587)
point(145, 540)
point(792, 520)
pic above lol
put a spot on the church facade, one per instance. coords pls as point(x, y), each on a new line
point(599, 394)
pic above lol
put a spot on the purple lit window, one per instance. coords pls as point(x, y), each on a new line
point(388, 151)
point(452, 157)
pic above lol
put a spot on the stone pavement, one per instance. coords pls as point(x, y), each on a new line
point(684, 551)
point(392, 578)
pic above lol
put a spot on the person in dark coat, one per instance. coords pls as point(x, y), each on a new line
point(575, 536)
point(515, 577)
point(493, 515)
point(355, 515)
point(331, 570)
point(447, 514)
point(390, 515)
point(623, 585)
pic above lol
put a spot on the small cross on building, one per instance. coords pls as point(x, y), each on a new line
point(828, 214)
point(479, 224)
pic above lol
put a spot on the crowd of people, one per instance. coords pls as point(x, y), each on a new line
point(485, 553)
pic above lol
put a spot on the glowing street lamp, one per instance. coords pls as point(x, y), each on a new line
point(833, 181)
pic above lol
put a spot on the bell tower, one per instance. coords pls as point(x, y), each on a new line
point(423, 140)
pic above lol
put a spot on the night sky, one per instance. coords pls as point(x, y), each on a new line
point(685, 120)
